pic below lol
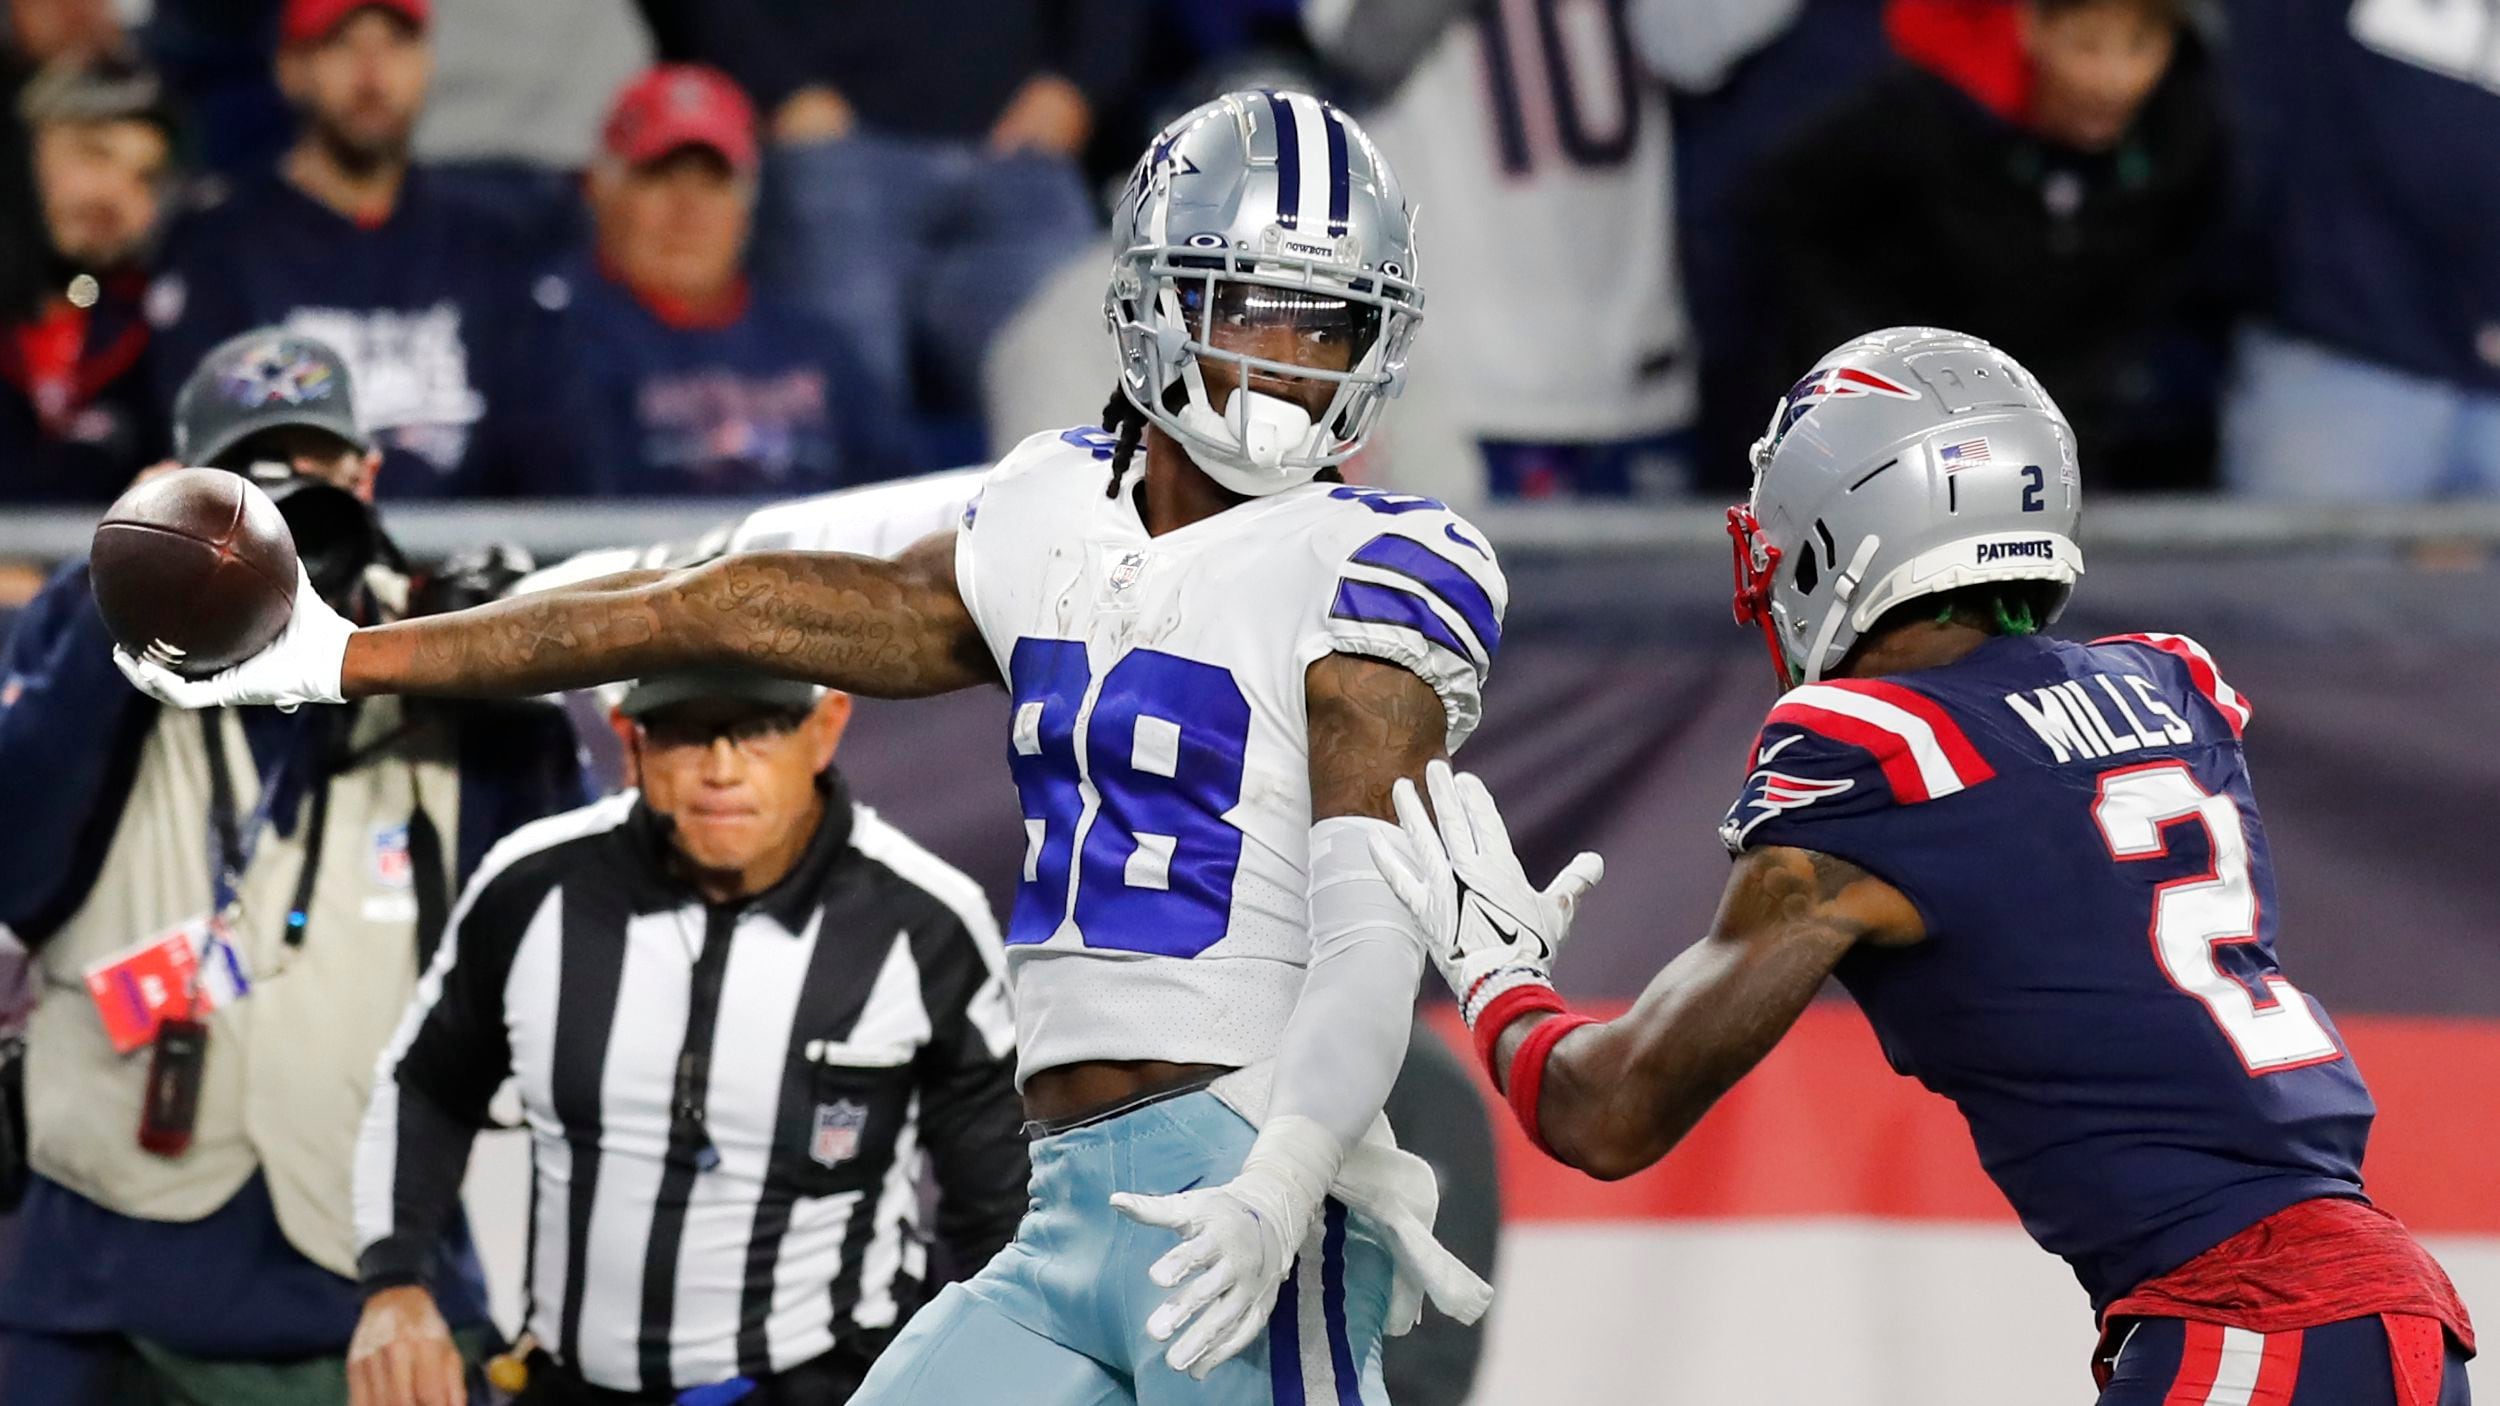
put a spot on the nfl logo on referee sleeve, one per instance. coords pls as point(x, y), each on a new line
point(838, 1126)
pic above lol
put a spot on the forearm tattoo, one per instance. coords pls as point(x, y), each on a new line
point(1795, 889)
point(887, 629)
point(1370, 724)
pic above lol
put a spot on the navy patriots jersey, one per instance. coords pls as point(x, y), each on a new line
point(2099, 992)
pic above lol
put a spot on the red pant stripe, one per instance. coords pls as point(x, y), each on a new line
point(2199, 1361)
point(2279, 1373)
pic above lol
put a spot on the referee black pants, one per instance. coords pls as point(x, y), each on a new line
point(827, 1381)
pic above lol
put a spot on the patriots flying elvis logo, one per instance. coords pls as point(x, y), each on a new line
point(1769, 792)
point(1837, 383)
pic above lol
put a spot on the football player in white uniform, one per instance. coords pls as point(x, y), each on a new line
point(1220, 662)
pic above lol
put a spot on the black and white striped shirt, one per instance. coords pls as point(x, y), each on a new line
point(728, 1104)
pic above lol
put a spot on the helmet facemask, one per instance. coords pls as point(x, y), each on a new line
point(1757, 566)
point(1266, 422)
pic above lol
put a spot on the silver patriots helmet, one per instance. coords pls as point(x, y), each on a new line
point(1262, 209)
point(1907, 463)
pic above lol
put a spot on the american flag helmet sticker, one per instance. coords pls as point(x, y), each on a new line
point(1967, 454)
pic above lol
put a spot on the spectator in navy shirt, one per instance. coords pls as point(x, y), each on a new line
point(681, 381)
point(78, 410)
point(430, 300)
point(2372, 143)
point(924, 175)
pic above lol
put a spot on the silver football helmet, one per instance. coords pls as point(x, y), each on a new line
point(1260, 211)
point(1909, 462)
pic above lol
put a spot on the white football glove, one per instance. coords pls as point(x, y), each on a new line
point(300, 666)
point(1237, 1245)
point(1490, 929)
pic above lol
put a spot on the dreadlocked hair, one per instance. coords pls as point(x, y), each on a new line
point(1129, 423)
point(1999, 608)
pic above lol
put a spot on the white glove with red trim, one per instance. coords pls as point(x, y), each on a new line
point(1490, 929)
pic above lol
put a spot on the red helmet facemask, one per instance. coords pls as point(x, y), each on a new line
point(1757, 566)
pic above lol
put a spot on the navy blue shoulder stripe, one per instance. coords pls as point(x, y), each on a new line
point(1340, 175)
point(1370, 603)
point(1288, 161)
point(1441, 576)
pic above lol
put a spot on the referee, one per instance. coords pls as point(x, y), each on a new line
point(738, 1008)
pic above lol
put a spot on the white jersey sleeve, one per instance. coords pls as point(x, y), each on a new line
point(1412, 583)
point(872, 520)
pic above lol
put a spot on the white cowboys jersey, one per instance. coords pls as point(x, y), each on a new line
point(1159, 740)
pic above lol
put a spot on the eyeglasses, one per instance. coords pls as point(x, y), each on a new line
point(755, 734)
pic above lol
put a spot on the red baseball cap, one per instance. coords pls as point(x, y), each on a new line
point(680, 105)
point(312, 21)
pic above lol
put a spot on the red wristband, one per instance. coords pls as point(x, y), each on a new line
point(1499, 1012)
point(1527, 1071)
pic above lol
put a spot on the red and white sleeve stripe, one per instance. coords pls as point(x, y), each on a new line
point(2227, 700)
point(1923, 752)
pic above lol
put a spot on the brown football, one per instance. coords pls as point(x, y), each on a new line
point(194, 569)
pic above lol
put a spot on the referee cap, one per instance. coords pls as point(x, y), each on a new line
point(650, 695)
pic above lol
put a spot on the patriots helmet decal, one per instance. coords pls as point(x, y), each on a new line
point(1837, 383)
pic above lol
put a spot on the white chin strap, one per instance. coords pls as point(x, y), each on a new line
point(1844, 591)
point(1267, 428)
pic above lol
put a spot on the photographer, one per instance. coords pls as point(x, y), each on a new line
point(228, 912)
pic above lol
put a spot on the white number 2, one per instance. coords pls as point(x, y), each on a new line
point(2193, 916)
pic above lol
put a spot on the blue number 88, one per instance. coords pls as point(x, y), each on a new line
point(1164, 754)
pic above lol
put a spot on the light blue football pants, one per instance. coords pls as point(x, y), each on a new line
point(1059, 1317)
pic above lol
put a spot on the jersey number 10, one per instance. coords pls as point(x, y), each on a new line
point(1161, 753)
point(1569, 61)
point(2193, 916)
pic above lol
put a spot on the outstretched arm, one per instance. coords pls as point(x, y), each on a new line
point(1615, 1097)
point(888, 629)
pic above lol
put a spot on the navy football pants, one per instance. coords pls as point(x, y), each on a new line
point(2171, 1362)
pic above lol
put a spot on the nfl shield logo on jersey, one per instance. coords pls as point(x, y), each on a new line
point(1118, 570)
point(838, 1126)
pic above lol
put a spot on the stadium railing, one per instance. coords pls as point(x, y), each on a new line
point(554, 529)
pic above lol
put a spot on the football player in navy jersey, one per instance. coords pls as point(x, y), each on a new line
point(1976, 827)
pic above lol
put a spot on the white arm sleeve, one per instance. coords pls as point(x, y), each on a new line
point(1346, 1039)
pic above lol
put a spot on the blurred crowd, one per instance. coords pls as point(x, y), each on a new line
point(771, 247)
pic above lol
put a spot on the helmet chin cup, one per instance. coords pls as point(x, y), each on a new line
point(1265, 430)
point(1269, 427)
